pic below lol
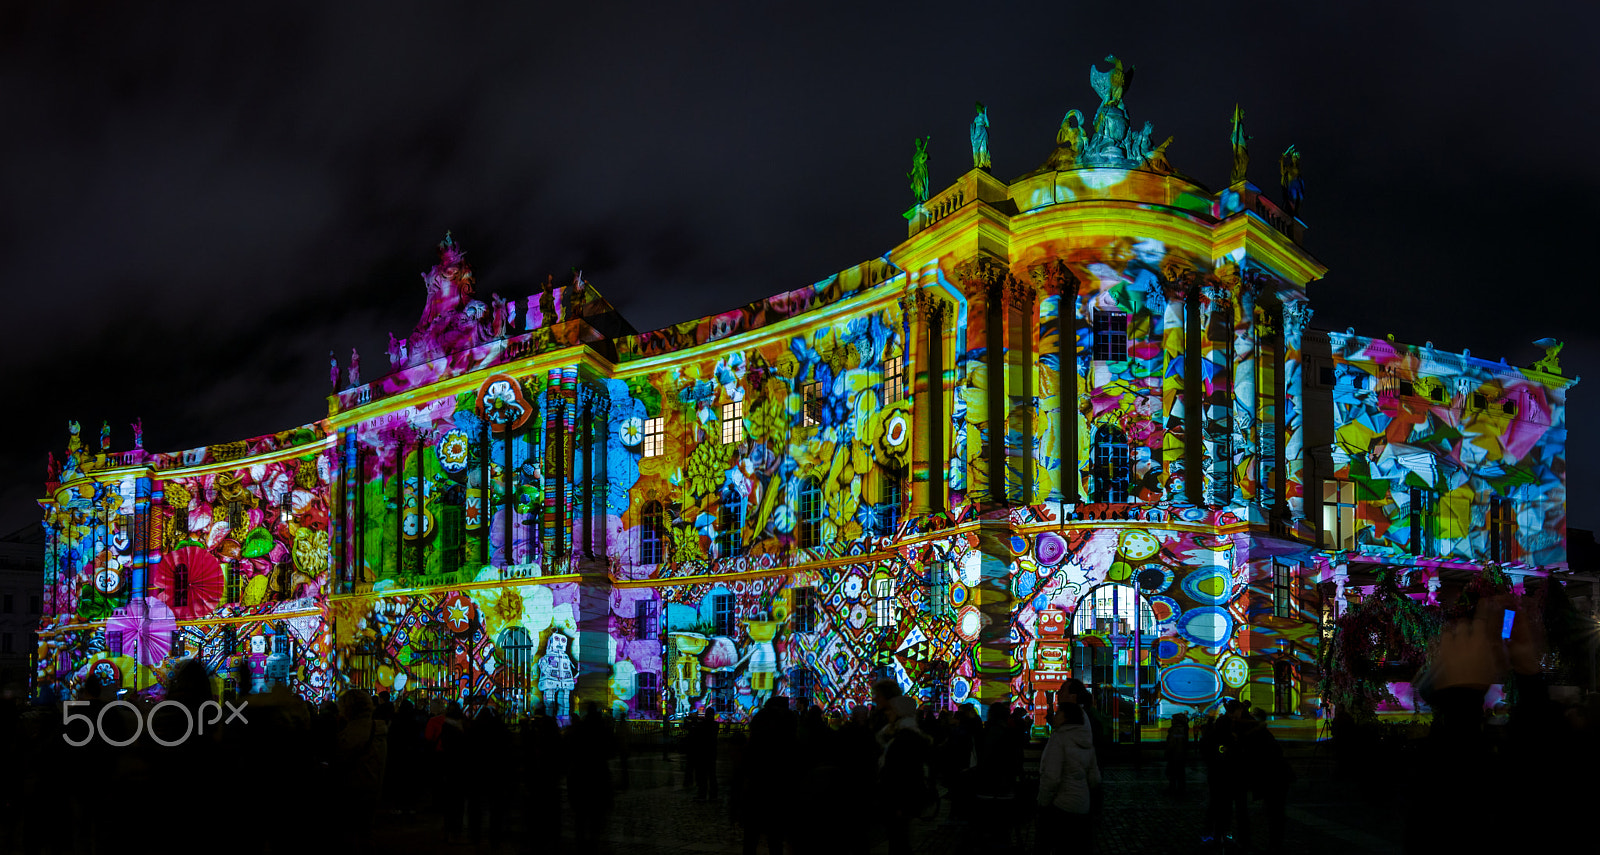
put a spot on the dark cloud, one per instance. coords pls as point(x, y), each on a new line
point(202, 200)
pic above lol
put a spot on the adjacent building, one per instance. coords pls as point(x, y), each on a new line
point(1073, 425)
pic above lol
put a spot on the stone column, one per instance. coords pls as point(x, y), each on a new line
point(983, 282)
point(1174, 403)
point(1019, 438)
point(1215, 363)
point(1296, 315)
point(913, 329)
point(996, 662)
point(1243, 437)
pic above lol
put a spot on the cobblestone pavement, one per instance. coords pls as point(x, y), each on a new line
point(654, 814)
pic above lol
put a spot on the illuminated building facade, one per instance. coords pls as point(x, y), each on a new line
point(1073, 425)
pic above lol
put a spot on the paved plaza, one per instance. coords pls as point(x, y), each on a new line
point(655, 814)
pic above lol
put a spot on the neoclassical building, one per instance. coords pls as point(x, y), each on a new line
point(1073, 425)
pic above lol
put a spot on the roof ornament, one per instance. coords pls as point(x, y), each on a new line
point(980, 138)
point(1550, 363)
point(1110, 141)
point(1241, 147)
point(919, 176)
point(1294, 187)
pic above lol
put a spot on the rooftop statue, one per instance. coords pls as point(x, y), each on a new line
point(1550, 363)
point(1241, 151)
point(919, 176)
point(980, 138)
point(1114, 143)
point(1294, 187)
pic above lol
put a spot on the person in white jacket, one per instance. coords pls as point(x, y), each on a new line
point(1068, 772)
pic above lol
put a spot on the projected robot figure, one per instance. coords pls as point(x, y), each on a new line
point(686, 675)
point(1052, 665)
point(557, 677)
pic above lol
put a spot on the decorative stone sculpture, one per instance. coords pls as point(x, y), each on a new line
point(333, 372)
point(1294, 188)
point(1550, 363)
point(919, 171)
point(1241, 152)
point(355, 368)
point(557, 676)
point(980, 138)
point(138, 433)
point(105, 436)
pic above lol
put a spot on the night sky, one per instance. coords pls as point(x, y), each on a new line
point(201, 200)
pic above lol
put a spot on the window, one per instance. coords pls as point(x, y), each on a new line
point(644, 620)
point(802, 685)
point(114, 642)
point(231, 574)
point(453, 530)
point(647, 694)
point(730, 524)
point(936, 591)
point(894, 379)
point(810, 522)
point(654, 434)
point(177, 642)
point(1282, 590)
point(732, 422)
point(1282, 688)
point(1111, 336)
point(1502, 529)
point(180, 585)
point(811, 408)
point(937, 680)
point(1424, 520)
point(888, 503)
point(7, 604)
point(33, 604)
point(1338, 515)
point(722, 614)
point(721, 691)
point(230, 641)
point(1326, 376)
point(884, 610)
point(1111, 469)
point(1480, 401)
point(651, 539)
point(805, 610)
point(514, 650)
point(5, 642)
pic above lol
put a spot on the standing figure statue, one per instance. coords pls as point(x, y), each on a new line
point(74, 441)
point(557, 676)
point(355, 368)
point(138, 433)
point(105, 436)
point(333, 372)
point(1294, 188)
point(980, 138)
point(1241, 152)
point(919, 171)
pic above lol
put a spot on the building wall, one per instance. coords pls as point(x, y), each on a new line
point(905, 470)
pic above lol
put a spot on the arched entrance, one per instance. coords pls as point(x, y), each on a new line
point(1113, 633)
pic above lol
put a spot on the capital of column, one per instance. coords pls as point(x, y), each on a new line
point(1215, 291)
point(1296, 315)
point(981, 271)
point(1020, 295)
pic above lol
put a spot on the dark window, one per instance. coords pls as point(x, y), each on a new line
point(230, 641)
point(894, 379)
point(722, 614)
point(1424, 520)
point(647, 694)
point(1282, 689)
point(810, 522)
point(811, 408)
point(177, 642)
point(1480, 401)
point(514, 652)
point(644, 620)
point(1327, 376)
point(180, 585)
point(802, 685)
point(1338, 515)
point(33, 604)
point(1502, 529)
point(231, 574)
point(453, 529)
point(7, 604)
point(1282, 590)
point(730, 524)
point(5, 643)
point(1111, 336)
point(805, 610)
point(651, 538)
point(1111, 466)
point(937, 680)
point(889, 503)
point(721, 691)
point(936, 596)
